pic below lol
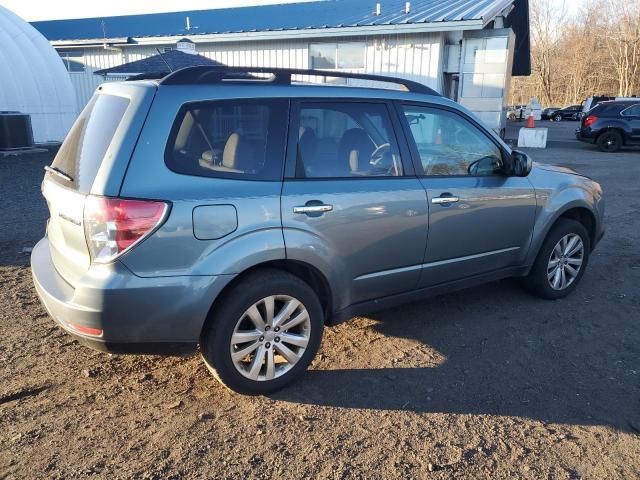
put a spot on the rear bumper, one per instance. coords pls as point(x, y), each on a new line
point(585, 136)
point(160, 315)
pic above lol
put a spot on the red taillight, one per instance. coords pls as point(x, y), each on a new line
point(590, 120)
point(113, 225)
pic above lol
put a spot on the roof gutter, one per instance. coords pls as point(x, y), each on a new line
point(500, 9)
point(116, 74)
point(92, 42)
point(306, 33)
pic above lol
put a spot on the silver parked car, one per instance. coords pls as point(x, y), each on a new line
point(231, 209)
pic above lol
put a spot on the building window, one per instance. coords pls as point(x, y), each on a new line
point(72, 60)
point(167, 49)
point(337, 55)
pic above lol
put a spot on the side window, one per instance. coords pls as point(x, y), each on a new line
point(346, 140)
point(230, 139)
point(448, 144)
point(632, 112)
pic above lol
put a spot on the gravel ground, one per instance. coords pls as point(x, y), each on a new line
point(484, 383)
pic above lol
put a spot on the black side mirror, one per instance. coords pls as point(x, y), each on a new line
point(521, 164)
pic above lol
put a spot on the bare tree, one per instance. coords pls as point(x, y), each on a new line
point(622, 39)
point(597, 52)
point(548, 18)
point(584, 62)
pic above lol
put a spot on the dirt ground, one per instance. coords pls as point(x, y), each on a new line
point(484, 383)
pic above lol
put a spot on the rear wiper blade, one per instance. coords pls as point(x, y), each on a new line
point(60, 173)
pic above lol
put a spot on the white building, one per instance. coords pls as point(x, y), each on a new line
point(461, 48)
point(33, 81)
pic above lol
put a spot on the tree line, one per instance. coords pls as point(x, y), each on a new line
point(596, 52)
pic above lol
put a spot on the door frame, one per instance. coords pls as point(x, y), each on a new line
point(413, 147)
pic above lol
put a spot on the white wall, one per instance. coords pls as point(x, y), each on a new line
point(416, 56)
point(86, 82)
point(33, 79)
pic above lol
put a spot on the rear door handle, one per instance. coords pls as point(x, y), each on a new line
point(307, 209)
point(445, 200)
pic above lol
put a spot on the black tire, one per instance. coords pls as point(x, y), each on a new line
point(215, 344)
point(557, 118)
point(537, 281)
point(610, 141)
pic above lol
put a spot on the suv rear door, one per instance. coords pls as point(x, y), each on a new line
point(222, 174)
point(92, 159)
point(479, 219)
point(350, 200)
point(632, 115)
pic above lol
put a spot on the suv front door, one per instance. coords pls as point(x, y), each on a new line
point(632, 115)
point(351, 201)
point(480, 220)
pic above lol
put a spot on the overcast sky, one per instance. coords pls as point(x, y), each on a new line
point(32, 10)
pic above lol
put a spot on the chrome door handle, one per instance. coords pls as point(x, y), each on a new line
point(444, 200)
point(313, 209)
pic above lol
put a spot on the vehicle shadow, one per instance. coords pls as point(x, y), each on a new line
point(505, 353)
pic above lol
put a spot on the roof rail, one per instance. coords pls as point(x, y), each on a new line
point(280, 76)
point(147, 76)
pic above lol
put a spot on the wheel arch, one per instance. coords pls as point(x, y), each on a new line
point(306, 272)
point(584, 216)
point(576, 211)
point(615, 128)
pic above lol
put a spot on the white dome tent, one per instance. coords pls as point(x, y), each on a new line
point(33, 79)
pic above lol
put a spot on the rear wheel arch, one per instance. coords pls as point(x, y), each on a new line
point(620, 131)
point(309, 274)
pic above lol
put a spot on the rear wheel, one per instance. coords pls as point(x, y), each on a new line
point(557, 118)
point(264, 334)
point(561, 262)
point(609, 141)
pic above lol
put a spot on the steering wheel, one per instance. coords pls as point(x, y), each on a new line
point(379, 153)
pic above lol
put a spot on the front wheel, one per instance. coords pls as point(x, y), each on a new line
point(561, 262)
point(264, 333)
point(557, 118)
point(609, 141)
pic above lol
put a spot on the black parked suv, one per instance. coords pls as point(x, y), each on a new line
point(547, 113)
point(572, 112)
point(611, 125)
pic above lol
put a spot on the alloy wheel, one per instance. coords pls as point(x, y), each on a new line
point(270, 337)
point(565, 261)
point(609, 143)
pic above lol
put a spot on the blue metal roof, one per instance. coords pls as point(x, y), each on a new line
point(316, 14)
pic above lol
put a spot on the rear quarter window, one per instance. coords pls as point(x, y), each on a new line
point(242, 139)
point(86, 144)
point(632, 111)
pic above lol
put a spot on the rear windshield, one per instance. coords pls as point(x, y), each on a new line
point(84, 148)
